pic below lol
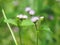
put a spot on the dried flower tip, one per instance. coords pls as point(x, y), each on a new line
point(27, 9)
point(34, 19)
point(31, 12)
point(41, 17)
point(25, 16)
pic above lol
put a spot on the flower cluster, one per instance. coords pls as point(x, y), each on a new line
point(31, 12)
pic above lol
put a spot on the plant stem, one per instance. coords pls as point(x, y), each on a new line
point(18, 23)
point(9, 28)
point(20, 36)
point(37, 32)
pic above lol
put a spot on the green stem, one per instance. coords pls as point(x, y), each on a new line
point(37, 32)
point(9, 28)
point(18, 23)
point(20, 35)
point(37, 26)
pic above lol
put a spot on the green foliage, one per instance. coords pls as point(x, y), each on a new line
point(23, 23)
point(27, 23)
point(48, 30)
point(45, 28)
point(11, 21)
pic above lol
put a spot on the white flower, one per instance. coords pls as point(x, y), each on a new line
point(34, 19)
point(31, 12)
point(21, 16)
point(25, 16)
point(27, 9)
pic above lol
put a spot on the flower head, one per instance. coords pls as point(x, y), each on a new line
point(25, 16)
point(27, 9)
point(21, 16)
point(34, 19)
point(31, 12)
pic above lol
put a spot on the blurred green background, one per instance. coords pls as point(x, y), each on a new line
point(50, 27)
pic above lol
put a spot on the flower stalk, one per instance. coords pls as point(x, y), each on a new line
point(36, 31)
point(18, 23)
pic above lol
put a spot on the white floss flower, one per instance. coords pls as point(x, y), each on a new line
point(27, 9)
point(34, 19)
point(25, 16)
point(31, 12)
point(20, 16)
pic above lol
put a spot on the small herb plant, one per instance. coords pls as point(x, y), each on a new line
point(23, 20)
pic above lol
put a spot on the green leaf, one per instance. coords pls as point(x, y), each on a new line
point(46, 28)
point(11, 21)
point(27, 23)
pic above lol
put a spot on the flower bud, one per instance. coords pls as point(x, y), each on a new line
point(42, 17)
